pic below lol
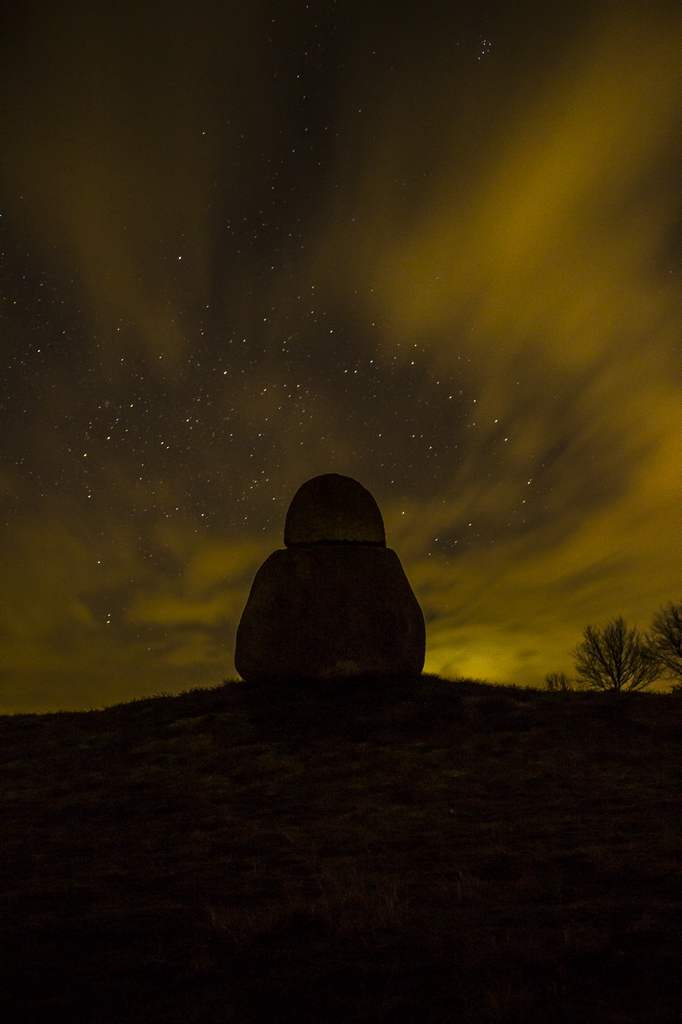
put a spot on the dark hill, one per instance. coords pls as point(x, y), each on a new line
point(405, 851)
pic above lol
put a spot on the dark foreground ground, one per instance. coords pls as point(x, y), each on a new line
point(424, 851)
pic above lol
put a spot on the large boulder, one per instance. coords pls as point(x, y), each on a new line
point(336, 602)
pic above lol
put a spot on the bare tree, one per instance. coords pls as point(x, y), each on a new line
point(665, 639)
point(615, 658)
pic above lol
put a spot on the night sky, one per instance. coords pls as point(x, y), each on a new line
point(433, 246)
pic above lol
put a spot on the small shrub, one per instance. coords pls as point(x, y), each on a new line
point(558, 681)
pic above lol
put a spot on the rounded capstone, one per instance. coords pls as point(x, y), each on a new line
point(333, 509)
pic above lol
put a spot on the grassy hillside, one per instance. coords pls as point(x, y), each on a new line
point(419, 850)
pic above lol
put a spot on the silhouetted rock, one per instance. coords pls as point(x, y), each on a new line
point(333, 509)
point(336, 602)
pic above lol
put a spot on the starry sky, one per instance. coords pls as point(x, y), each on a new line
point(436, 247)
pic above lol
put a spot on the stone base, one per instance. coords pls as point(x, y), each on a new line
point(329, 610)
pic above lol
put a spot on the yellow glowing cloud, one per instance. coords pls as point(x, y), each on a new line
point(213, 587)
point(85, 621)
point(115, 149)
point(556, 227)
point(546, 281)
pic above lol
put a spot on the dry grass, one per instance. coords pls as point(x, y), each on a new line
point(409, 850)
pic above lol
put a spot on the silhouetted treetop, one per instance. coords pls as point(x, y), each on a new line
point(665, 638)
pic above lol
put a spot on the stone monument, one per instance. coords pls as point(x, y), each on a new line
point(336, 602)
